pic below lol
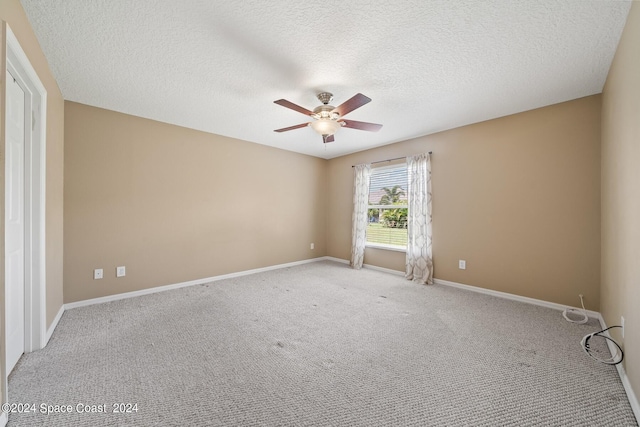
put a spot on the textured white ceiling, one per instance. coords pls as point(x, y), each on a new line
point(217, 66)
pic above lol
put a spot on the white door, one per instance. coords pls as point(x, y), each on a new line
point(14, 222)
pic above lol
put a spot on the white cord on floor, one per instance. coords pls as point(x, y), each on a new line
point(577, 311)
point(613, 360)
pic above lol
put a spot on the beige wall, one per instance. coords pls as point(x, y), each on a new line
point(12, 13)
point(621, 194)
point(518, 198)
point(173, 204)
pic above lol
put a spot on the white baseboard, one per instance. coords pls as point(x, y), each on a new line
point(53, 325)
point(498, 294)
point(369, 266)
point(633, 399)
point(340, 260)
point(385, 270)
point(156, 289)
point(3, 419)
point(512, 297)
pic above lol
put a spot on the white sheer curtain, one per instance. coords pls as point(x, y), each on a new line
point(360, 218)
point(419, 264)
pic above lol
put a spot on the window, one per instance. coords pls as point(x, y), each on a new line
point(388, 207)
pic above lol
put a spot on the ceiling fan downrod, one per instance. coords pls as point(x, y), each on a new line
point(325, 97)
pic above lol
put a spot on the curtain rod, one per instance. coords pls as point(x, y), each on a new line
point(388, 160)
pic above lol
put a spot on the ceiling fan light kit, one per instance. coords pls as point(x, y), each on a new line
point(327, 118)
point(326, 126)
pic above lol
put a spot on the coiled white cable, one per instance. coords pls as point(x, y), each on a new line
point(577, 311)
point(613, 360)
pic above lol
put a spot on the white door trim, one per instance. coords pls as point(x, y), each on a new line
point(17, 115)
point(35, 184)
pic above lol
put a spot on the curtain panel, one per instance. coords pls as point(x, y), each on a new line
point(419, 263)
point(360, 218)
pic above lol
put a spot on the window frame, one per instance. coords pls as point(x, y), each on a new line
point(386, 246)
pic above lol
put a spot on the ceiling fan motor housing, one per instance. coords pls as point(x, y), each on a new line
point(325, 112)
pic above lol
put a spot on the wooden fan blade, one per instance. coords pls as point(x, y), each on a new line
point(357, 101)
point(295, 107)
point(353, 124)
point(301, 125)
point(327, 138)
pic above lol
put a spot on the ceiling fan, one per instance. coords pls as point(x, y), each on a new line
point(328, 119)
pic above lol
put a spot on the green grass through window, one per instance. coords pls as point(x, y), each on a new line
point(376, 233)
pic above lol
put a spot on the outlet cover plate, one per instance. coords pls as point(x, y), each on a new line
point(97, 274)
point(121, 271)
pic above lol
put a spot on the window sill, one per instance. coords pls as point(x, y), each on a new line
point(386, 247)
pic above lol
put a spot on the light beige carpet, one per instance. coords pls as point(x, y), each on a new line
point(319, 345)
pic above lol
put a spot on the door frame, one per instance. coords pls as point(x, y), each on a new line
point(18, 64)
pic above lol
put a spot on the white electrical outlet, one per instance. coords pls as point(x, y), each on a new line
point(97, 274)
point(462, 264)
point(121, 271)
point(622, 324)
point(312, 246)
